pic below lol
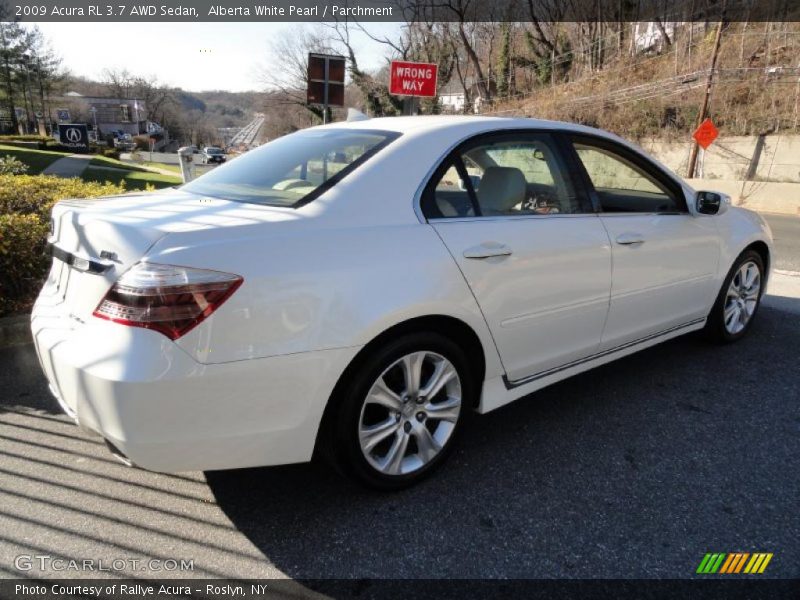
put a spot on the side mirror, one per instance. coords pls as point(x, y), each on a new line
point(475, 180)
point(712, 203)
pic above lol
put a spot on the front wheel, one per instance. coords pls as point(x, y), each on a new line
point(399, 415)
point(738, 300)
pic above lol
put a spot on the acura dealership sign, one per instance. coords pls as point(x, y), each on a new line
point(73, 136)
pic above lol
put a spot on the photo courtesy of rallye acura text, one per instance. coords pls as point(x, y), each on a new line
point(355, 291)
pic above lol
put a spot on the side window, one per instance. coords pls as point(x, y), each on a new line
point(623, 186)
point(450, 197)
point(505, 176)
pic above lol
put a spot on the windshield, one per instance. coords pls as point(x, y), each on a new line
point(293, 169)
point(213, 151)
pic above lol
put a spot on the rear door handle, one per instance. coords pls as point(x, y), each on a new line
point(487, 250)
point(628, 239)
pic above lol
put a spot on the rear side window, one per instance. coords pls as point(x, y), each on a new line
point(292, 170)
point(509, 174)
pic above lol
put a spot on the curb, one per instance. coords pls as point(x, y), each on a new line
point(15, 330)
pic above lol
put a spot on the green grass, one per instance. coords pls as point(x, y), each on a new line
point(105, 161)
point(134, 179)
point(100, 168)
point(37, 160)
point(167, 166)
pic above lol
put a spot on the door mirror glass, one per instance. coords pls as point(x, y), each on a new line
point(475, 180)
point(711, 203)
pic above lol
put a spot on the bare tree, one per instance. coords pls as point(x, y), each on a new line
point(460, 10)
point(287, 83)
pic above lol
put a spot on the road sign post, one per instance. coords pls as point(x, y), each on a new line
point(412, 80)
point(705, 134)
point(709, 81)
point(325, 81)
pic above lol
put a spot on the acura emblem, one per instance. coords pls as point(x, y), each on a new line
point(73, 134)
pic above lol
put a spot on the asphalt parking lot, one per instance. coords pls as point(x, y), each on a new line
point(634, 469)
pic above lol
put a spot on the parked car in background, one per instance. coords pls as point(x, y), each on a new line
point(124, 141)
point(213, 154)
point(356, 290)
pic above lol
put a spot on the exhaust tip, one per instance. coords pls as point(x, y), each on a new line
point(118, 454)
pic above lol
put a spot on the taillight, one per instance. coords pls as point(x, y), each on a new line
point(169, 299)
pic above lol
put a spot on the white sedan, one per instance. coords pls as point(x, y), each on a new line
point(356, 290)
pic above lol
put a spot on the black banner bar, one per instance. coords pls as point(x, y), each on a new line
point(368, 589)
point(145, 11)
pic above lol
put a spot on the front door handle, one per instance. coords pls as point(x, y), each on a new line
point(487, 250)
point(628, 239)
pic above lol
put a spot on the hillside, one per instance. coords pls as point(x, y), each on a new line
point(755, 90)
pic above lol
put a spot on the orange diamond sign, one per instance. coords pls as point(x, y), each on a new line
point(705, 134)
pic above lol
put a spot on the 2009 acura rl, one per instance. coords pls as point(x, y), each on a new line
point(358, 288)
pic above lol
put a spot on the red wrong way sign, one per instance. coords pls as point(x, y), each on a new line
point(705, 134)
point(413, 79)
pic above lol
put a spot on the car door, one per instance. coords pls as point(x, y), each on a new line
point(535, 256)
point(664, 259)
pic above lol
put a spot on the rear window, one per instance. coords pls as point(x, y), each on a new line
point(294, 169)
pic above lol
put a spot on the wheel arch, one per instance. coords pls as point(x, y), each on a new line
point(762, 249)
point(451, 327)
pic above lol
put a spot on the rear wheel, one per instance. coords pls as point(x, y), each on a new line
point(738, 300)
point(399, 415)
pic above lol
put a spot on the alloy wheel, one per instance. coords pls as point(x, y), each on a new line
point(410, 413)
point(742, 298)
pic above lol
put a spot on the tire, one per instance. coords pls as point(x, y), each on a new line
point(736, 296)
point(377, 416)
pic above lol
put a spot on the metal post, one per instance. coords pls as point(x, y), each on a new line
point(325, 93)
point(186, 159)
point(704, 108)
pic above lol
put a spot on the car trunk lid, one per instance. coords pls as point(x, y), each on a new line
point(93, 242)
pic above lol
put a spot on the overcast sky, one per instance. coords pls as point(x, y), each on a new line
point(172, 51)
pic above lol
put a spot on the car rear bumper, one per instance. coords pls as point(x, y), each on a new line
point(163, 411)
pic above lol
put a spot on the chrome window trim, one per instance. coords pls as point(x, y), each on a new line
point(645, 214)
point(483, 219)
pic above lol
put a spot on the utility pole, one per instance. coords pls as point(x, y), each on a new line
point(709, 82)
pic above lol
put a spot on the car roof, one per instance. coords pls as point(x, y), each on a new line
point(472, 123)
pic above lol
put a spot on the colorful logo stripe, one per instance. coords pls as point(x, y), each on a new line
point(734, 562)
